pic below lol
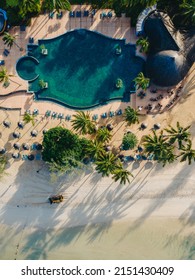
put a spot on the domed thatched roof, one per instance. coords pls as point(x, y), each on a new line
point(166, 68)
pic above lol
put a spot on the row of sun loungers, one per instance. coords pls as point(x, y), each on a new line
point(112, 114)
point(79, 14)
point(106, 15)
point(137, 157)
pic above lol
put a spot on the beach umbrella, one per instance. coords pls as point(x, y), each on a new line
point(140, 149)
point(144, 125)
point(34, 133)
point(31, 157)
point(157, 126)
point(21, 124)
point(128, 131)
point(15, 155)
point(121, 157)
point(6, 123)
point(17, 146)
point(2, 150)
point(39, 147)
point(16, 134)
point(26, 146)
point(109, 126)
point(45, 131)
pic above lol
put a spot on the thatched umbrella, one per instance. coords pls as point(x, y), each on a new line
point(17, 146)
point(21, 124)
point(26, 146)
point(2, 150)
point(15, 155)
point(6, 123)
point(45, 131)
point(144, 125)
point(16, 134)
point(109, 126)
point(34, 133)
point(157, 126)
point(31, 157)
point(39, 147)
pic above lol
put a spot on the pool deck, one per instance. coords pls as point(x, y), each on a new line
point(45, 27)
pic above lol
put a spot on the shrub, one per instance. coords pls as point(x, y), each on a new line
point(129, 141)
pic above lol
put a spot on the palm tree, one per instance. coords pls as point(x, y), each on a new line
point(29, 118)
point(94, 148)
point(4, 76)
point(106, 163)
point(144, 43)
point(29, 6)
point(159, 147)
point(188, 153)
point(103, 135)
point(9, 40)
point(131, 115)
point(82, 123)
point(178, 134)
point(57, 5)
point(122, 175)
point(141, 81)
point(188, 11)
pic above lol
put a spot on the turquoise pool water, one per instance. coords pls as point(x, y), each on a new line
point(81, 69)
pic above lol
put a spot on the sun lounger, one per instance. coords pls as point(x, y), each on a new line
point(59, 15)
point(104, 115)
point(51, 14)
point(38, 157)
point(6, 84)
point(31, 40)
point(6, 52)
point(119, 112)
point(93, 12)
point(111, 114)
point(68, 117)
point(95, 117)
point(24, 157)
point(78, 14)
point(109, 14)
point(48, 113)
point(2, 62)
point(72, 14)
point(86, 13)
point(33, 147)
point(54, 115)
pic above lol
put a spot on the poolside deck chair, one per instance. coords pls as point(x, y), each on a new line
point(6, 84)
point(93, 12)
point(95, 117)
point(111, 114)
point(68, 117)
point(59, 15)
point(54, 115)
point(24, 157)
point(2, 62)
point(38, 157)
point(31, 40)
point(119, 112)
point(33, 147)
point(86, 13)
point(109, 14)
point(6, 52)
point(72, 14)
point(78, 14)
point(104, 115)
point(103, 15)
point(51, 14)
point(48, 113)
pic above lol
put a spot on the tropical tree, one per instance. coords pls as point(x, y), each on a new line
point(188, 153)
point(94, 148)
point(122, 175)
point(29, 6)
point(129, 141)
point(106, 163)
point(4, 76)
point(141, 81)
point(131, 115)
point(9, 40)
point(144, 43)
point(29, 118)
point(103, 135)
point(57, 5)
point(82, 123)
point(119, 83)
point(159, 147)
point(188, 11)
point(178, 134)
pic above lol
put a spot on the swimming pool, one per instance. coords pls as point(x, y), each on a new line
point(81, 68)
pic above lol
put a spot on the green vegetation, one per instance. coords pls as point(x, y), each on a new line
point(178, 134)
point(187, 153)
point(57, 5)
point(3, 162)
point(94, 148)
point(141, 81)
point(103, 135)
point(144, 43)
point(42, 84)
point(131, 116)
point(29, 118)
point(82, 123)
point(129, 141)
point(122, 175)
point(63, 150)
point(107, 163)
point(4, 75)
point(119, 83)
